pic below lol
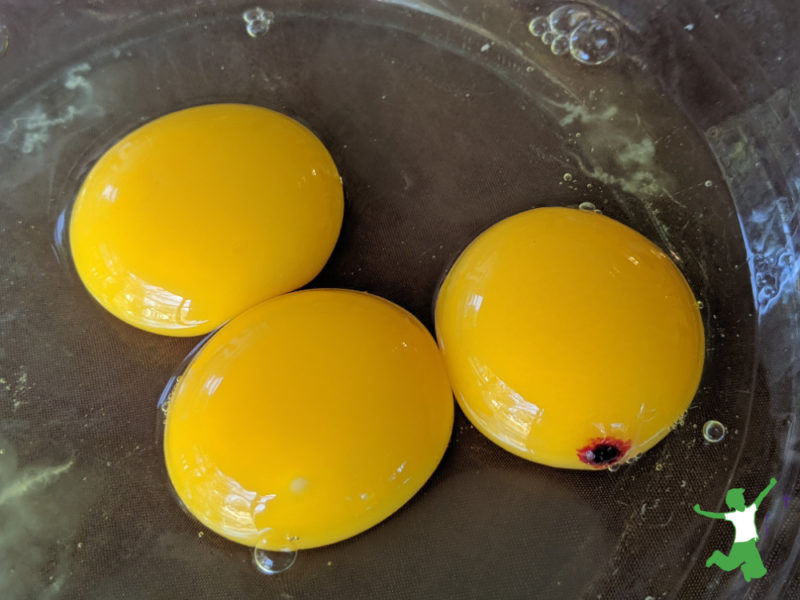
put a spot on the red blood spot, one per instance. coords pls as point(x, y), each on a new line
point(603, 452)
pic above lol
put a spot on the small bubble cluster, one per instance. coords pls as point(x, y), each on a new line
point(257, 21)
point(713, 431)
point(633, 459)
point(586, 35)
point(589, 207)
point(770, 269)
point(680, 422)
point(630, 460)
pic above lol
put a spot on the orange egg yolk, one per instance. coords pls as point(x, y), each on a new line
point(570, 339)
point(202, 213)
point(308, 419)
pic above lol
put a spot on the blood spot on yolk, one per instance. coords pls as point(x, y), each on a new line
point(570, 339)
point(308, 419)
point(200, 214)
point(602, 452)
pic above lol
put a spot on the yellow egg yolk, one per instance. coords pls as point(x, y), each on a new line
point(570, 339)
point(308, 419)
point(202, 213)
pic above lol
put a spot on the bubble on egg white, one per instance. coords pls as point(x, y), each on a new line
point(272, 562)
point(713, 431)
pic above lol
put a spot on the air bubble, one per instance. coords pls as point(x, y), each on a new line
point(594, 42)
point(713, 431)
point(271, 562)
point(700, 305)
point(538, 26)
point(708, 183)
point(253, 14)
point(258, 21)
point(764, 280)
point(587, 206)
point(3, 39)
point(567, 177)
point(614, 468)
point(633, 459)
point(560, 45)
point(566, 18)
point(760, 262)
point(257, 28)
point(587, 35)
point(766, 293)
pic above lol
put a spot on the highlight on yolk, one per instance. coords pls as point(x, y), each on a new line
point(308, 419)
point(202, 213)
point(570, 339)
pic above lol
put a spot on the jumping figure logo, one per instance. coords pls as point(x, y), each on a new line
point(744, 552)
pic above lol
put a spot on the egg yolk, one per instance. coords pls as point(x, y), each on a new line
point(203, 213)
point(308, 419)
point(570, 339)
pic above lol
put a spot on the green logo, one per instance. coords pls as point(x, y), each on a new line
point(743, 552)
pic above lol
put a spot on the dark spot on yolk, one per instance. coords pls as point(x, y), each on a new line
point(603, 452)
